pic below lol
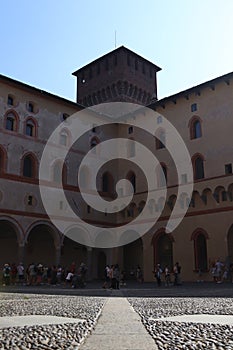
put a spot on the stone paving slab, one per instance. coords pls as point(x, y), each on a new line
point(119, 327)
point(34, 320)
point(203, 318)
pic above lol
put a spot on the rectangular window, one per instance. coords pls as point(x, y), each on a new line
point(30, 107)
point(130, 130)
point(63, 139)
point(194, 107)
point(10, 101)
point(228, 168)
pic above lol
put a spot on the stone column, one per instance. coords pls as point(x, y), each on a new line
point(57, 255)
point(89, 264)
point(21, 252)
point(148, 260)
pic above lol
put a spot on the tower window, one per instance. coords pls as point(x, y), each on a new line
point(130, 130)
point(195, 128)
point(198, 168)
point(10, 100)
point(30, 107)
point(228, 169)
point(194, 107)
point(10, 123)
point(30, 128)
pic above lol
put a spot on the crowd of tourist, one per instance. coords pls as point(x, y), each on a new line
point(75, 276)
point(38, 274)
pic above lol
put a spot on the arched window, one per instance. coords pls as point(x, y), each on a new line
point(11, 121)
point(107, 183)
point(132, 178)
point(2, 160)
point(163, 249)
point(30, 128)
point(160, 139)
point(198, 167)
point(195, 128)
point(29, 166)
point(200, 250)
point(162, 175)
point(63, 138)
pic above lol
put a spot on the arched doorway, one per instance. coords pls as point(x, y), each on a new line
point(102, 261)
point(40, 247)
point(8, 243)
point(133, 256)
point(230, 244)
point(163, 249)
point(73, 252)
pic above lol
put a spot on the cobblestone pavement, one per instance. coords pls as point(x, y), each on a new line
point(186, 335)
point(167, 334)
point(53, 336)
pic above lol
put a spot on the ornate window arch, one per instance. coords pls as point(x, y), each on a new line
point(107, 182)
point(198, 166)
point(199, 238)
point(30, 128)
point(11, 120)
point(29, 165)
point(161, 173)
point(163, 248)
point(3, 158)
point(132, 178)
point(195, 128)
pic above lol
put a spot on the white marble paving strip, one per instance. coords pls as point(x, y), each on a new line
point(34, 320)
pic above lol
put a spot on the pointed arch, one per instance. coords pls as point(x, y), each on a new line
point(29, 165)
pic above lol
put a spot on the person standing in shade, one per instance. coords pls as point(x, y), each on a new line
point(177, 271)
point(158, 274)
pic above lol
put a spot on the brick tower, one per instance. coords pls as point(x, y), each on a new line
point(120, 75)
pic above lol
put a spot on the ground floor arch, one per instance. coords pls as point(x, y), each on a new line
point(9, 242)
point(163, 249)
point(72, 251)
point(132, 257)
point(230, 244)
point(41, 245)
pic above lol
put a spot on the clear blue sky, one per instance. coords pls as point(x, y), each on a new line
point(44, 41)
